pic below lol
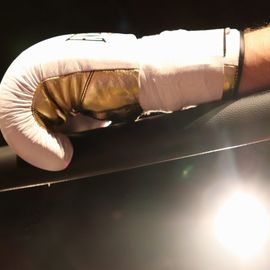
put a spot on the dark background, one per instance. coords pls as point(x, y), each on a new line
point(24, 23)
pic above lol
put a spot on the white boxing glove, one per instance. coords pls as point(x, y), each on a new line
point(107, 77)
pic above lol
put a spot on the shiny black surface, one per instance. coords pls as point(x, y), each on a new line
point(153, 218)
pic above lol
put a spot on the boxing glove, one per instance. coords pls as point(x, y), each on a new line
point(106, 77)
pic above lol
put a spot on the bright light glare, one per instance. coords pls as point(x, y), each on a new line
point(242, 225)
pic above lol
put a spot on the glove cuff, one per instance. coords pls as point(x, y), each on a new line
point(182, 68)
point(233, 61)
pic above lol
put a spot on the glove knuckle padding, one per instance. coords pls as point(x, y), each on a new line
point(58, 78)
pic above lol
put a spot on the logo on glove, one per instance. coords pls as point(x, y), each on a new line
point(88, 37)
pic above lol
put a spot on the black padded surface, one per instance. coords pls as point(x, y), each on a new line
point(197, 131)
point(151, 218)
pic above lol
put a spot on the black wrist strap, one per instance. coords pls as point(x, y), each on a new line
point(240, 65)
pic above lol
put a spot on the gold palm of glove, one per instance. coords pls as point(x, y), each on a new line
point(102, 94)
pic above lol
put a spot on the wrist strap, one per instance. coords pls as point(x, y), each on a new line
point(233, 61)
point(240, 64)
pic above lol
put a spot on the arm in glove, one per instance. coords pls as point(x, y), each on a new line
point(107, 77)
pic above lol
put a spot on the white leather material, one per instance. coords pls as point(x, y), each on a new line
point(181, 68)
point(232, 46)
point(47, 59)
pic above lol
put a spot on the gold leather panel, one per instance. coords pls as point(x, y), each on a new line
point(230, 75)
point(102, 94)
